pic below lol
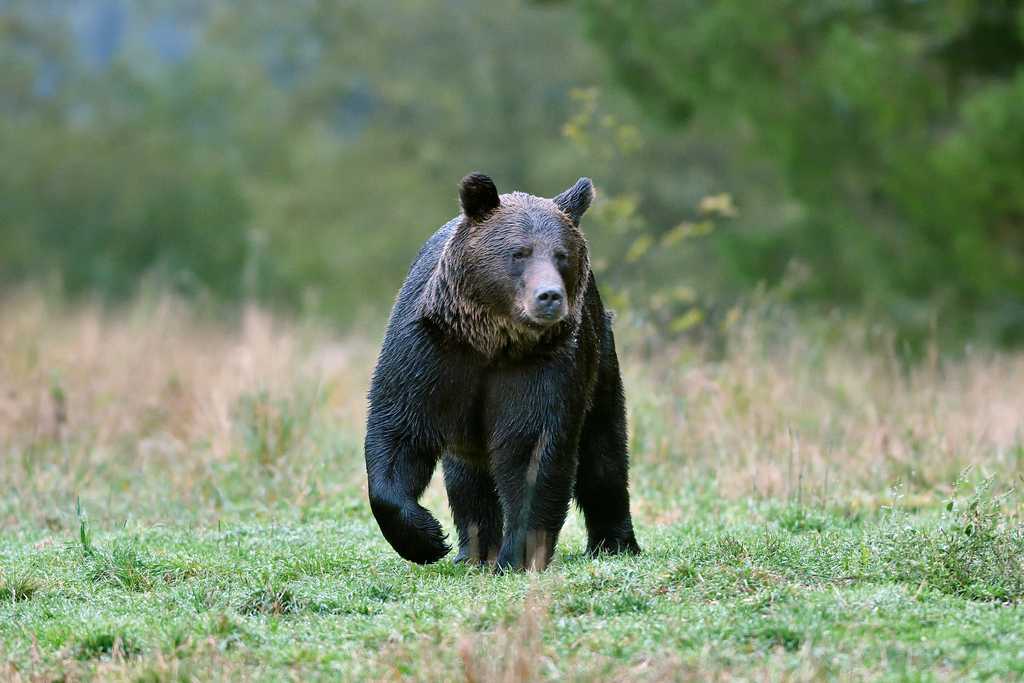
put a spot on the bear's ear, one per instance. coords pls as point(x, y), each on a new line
point(576, 199)
point(478, 196)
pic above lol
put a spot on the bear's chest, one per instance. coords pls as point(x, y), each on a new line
point(457, 408)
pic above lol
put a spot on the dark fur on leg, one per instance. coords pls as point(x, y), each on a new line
point(602, 483)
point(473, 499)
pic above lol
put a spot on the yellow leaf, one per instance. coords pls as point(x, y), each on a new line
point(689, 319)
point(720, 204)
point(639, 248)
point(732, 317)
point(628, 137)
point(675, 234)
point(684, 293)
point(686, 230)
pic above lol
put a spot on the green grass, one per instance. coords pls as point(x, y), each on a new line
point(205, 517)
point(755, 590)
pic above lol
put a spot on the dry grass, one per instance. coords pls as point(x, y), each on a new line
point(200, 661)
point(838, 420)
point(518, 652)
point(156, 393)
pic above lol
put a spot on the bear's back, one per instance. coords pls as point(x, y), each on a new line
point(422, 267)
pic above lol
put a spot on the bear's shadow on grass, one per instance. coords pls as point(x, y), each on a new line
point(569, 560)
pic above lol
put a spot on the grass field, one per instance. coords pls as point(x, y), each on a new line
point(185, 500)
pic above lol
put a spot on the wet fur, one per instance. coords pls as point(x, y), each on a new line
point(470, 316)
point(523, 418)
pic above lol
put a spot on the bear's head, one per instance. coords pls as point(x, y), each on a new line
point(514, 271)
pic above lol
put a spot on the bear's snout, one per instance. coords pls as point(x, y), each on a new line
point(548, 303)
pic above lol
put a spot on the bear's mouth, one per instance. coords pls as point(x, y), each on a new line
point(542, 320)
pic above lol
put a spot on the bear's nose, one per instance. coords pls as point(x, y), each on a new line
point(549, 299)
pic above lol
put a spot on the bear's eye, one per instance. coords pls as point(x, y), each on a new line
point(561, 257)
point(521, 254)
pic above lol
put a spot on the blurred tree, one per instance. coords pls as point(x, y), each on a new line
point(108, 175)
point(672, 295)
point(299, 153)
point(897, 125)
point(383, 107)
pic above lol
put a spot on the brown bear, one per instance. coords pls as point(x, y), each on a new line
point(499, 360)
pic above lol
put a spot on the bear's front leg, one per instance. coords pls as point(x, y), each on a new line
point(602, 476)
point(473, 499)
point(535, 480)
point(398, 471)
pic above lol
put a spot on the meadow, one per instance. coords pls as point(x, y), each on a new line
point(184, 499)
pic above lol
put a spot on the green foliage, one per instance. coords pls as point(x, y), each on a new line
point(626, 241)
point(895, 126)
point(102, 208)
point(979, 551)
point(298, 155)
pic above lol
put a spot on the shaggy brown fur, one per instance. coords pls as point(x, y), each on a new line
point(500, 362)
point(466, 307)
